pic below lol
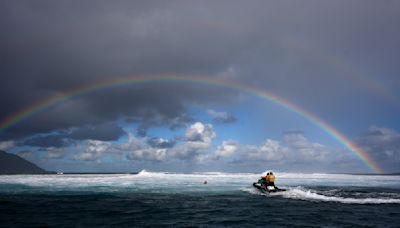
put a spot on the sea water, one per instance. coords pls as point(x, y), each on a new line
point(176, 199)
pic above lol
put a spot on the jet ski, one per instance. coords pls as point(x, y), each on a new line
point(267, 189)
point(260, 185)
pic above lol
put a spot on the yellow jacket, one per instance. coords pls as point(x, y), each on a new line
point(271, 178)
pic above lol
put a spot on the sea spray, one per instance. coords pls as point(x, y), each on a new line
point(341, 188)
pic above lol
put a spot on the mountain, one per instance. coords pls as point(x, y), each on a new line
point(13, 164)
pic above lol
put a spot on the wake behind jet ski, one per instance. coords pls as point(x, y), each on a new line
point(267, 183)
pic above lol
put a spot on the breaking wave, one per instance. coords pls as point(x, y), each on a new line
point(341, 188)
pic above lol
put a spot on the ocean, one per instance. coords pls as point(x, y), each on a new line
point(151, 199)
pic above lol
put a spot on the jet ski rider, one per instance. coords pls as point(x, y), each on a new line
point(263, 181)
point(267, 183)
point(270, 179)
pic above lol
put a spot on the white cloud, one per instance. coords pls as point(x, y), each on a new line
point(138, 149)
point(160, 143)
point(293, 148)
point(151, 154)
point(271, 150)
point(198, 138)
point(94, 150)
point(227, 149)
point(303, 150)
point(5, 145)
point(196, 145)
point(187, 150)
point(199, 132)
point(132, 144)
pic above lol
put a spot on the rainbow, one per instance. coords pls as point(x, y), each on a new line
point(83, 90)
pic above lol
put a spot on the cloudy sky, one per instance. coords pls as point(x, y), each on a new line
point(338, 60)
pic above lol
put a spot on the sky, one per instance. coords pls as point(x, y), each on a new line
point(202, 66)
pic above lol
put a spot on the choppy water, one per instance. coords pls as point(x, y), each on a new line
point(150, 199)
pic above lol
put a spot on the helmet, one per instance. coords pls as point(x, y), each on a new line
point(265, 173)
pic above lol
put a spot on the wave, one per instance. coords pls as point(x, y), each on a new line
point(325, 187)
point(144, 172)
point(219, 175)
point(301, 193)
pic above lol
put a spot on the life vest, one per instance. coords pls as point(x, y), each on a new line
point(271, 178)
point(262, 180)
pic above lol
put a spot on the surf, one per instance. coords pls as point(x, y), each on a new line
point(323, 188)
point(300, 193)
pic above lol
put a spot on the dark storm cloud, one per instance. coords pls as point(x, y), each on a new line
point(102, 132)
point(47, 141)
point(295, 49)
point(383, 145)
point(53, 47)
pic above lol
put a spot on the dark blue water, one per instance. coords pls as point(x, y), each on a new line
point(189, 209)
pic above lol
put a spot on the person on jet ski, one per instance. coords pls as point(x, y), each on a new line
point(267, 183)
point(271, 180)
point(262, 181)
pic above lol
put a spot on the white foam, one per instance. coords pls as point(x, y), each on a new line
point(228, 179)
point(145, 173)
point(253, 191)
point(310, 195)
point(147, 181)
